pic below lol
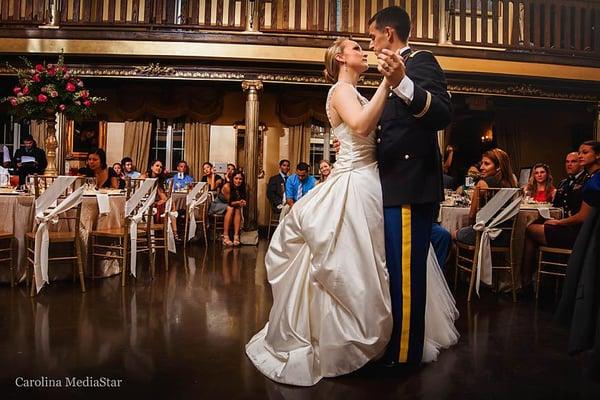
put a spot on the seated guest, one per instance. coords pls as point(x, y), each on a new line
point(299, 184)
point(120, 174)
point(541, 186)
point(325, 170)
point(96, 167)
point(276, 187)
point(129, 168)
point(235, 193)
point(5, 156)
point(213, 180)
point(157, 170)
point(182, 179)
point(568, 194)
point(561, 233)
point(29, 159)
point(229, 173)
point(496, 172)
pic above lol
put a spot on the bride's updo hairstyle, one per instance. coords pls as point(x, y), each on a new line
point(332, 66)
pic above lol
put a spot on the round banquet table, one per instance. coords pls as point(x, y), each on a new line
point(17, 213)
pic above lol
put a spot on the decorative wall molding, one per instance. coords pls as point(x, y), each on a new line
point(476, 84)
point(155, 70)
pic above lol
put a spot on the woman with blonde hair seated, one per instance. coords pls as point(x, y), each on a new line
point(541, 187)
point(325, 169)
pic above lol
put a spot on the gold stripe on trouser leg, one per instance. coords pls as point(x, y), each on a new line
point(406, 250)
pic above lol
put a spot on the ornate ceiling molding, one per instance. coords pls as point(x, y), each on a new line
point(522, 90)
point(494, 86)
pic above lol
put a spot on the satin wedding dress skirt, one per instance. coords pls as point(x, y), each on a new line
point(331, 310)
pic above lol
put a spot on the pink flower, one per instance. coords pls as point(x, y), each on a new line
point(67, 76)
point(54, 93)
point(51, 72)
point(62, 107)
point(87, 103)
point(44, 89)
point(42, 98)
point(49, 66)
point(13, 101)
point(19, 94)
point(36, 78)
point(64, 70)
point(39, 68)
point(80, 83)
point(17, 90)
point(85, 94)
point(70, 87)
point(77, 102)
point(26, 90)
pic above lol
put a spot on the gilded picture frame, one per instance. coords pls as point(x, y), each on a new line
point(85, 136)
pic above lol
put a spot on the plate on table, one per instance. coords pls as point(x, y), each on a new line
point(111, 192)
point(7, 190)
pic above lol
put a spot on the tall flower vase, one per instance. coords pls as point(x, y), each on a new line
point(51, 143)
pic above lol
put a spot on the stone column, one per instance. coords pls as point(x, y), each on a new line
point(252, 89)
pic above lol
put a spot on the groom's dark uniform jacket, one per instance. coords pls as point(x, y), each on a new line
point(410, 167)
point(408, 154)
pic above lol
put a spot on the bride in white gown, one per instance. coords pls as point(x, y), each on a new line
point(331, 309)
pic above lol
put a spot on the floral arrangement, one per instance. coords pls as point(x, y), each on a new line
point(46, 89)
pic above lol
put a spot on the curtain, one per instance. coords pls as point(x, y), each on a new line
point(299, 144)
point(508, 138)
point(37, 129)
point(197, 146)
point(137, 143)
point(302, 108)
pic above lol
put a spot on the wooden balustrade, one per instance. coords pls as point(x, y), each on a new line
point(544, 26)
point(351, 17)
point(537, 25)
point(22, 12)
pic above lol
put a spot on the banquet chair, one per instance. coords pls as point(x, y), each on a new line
point(70, 238)
point(41, 183)
point(466, 258)
point(273, 221)
point(159, 225)
point(555, 266)
point(200, 214)
point(7, 254)
point(114, 243)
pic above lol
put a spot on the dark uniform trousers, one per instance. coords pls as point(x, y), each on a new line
point(411, 176)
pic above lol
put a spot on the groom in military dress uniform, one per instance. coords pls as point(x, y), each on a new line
point(411, 172)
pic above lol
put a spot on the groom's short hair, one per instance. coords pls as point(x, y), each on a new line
point(395, 17)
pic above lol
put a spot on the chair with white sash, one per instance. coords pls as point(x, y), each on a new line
point(498, 212)
point(162, 236)
point(197, 201)
point(125, 243)
point(59, 201)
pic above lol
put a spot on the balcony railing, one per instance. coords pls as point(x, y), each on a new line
point(542, 26)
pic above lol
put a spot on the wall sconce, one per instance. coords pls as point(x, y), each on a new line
point(488, 135)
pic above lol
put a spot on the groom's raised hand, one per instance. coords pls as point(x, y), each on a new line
point(391, 65)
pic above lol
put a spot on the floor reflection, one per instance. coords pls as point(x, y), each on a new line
point(184, 333)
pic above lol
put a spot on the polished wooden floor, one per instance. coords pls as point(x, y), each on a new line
point(182, 335)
